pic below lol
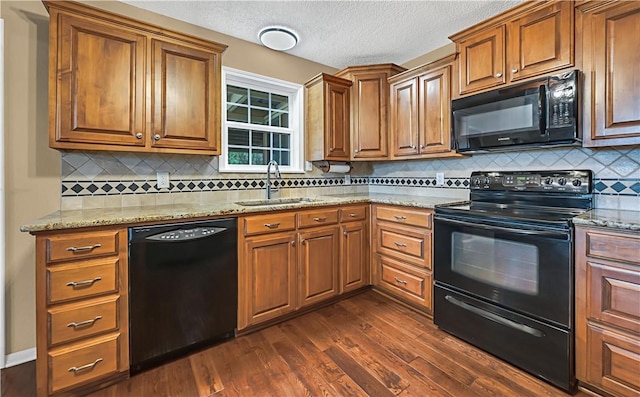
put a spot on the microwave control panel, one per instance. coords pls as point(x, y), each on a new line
point(541, 181)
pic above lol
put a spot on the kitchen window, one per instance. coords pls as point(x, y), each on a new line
point(262, 121)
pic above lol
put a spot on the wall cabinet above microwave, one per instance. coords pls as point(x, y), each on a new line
point(530, 40)
point(122, 85)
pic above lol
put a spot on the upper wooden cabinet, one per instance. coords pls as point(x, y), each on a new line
point(421, 111)
point(532, 39)
point(611, 101)
point(369, 110)
point(122, 85)
point(327, 118)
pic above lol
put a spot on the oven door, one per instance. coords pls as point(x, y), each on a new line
point(527, 270)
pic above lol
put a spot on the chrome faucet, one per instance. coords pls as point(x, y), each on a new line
point(278, 176)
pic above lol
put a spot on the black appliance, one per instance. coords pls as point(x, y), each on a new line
point(504, 268)
point(183, 291)
point(542, 112)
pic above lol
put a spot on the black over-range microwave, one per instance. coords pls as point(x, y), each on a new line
point(536, 113)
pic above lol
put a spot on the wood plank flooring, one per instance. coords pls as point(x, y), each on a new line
point(364, 345)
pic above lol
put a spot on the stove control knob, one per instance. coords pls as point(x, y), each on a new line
point(576, 182)
point(487, 181)
point(562, 181)
point(476, 181)
point(548, 181)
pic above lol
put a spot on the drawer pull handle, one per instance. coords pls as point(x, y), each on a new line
point(400, 245)
point(272, 225)
point(400, 217)
point(319, 219)
point(83, 323)
point(399, 281)
point(85, 248)
point(88, 366)
point(353, 215)
point(83, 283)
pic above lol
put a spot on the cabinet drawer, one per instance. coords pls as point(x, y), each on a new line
point(78, 320)
point(318, 218)
point(67, 247)
point(406, 243)
point(614, 295)
point(614, 360)
point(269, 223)
point(405, 282)
point(406, 216)
point(80, 280)
point(83, 362)
point(353, 214)
point(617, 247)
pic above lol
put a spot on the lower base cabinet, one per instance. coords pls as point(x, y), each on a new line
point(402, 242)
point(608, 310)
point(292, 260)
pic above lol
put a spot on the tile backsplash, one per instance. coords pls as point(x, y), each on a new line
point(104, 179)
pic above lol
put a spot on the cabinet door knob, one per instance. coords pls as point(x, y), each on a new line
point(293, 243)
point(356, 151)
point(498, 75)
point(421, 146)
point(139, 135)
point(413, 146)
point(156, 137)
point(345, 234)
point(332, 149)
point(514, 70)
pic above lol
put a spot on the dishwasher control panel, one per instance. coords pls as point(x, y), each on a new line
point(186, 234)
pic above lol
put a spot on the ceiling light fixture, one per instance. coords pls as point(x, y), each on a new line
point(278, 38)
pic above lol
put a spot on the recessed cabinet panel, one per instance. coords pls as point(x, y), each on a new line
point(612, 79)
point(541, 41)
point(355, 256)
point(184, 113)
point(100, 84)
point(435, 114)
point(338, 116)
point(482, 60)
point(373, 96)
point(404, 119)
point(318, 265)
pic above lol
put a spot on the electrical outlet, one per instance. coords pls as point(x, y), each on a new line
point(439, 178)
point(163, 180)
point(347, 179)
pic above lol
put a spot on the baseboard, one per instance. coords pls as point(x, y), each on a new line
point(20, 357)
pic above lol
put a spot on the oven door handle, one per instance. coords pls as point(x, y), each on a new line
point(541, 233)
point(494, 317)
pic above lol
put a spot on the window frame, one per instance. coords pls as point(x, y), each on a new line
point(295, 93)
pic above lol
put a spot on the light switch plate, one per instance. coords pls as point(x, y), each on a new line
point(439, 178)
point(347, 179)
point(163, 180)
point(308, 166)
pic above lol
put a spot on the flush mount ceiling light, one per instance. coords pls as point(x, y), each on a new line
point(278, 38)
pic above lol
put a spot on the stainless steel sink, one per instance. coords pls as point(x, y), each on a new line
point(280, 201)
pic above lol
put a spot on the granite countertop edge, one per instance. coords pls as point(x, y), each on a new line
point(610, 218)
point(77, 219)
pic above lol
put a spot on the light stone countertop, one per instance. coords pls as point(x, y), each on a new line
point(615, 219)
point(74, 219)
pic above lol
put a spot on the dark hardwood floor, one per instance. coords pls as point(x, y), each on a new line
point(365, 345)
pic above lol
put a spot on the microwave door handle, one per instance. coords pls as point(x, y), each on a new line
point(542, 112)
point(539, 233)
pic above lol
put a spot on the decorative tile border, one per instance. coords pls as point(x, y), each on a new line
point(144, 186)
point(78, 188)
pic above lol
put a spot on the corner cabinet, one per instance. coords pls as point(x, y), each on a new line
point(529, 40)
point(611, 100)
point(82, 315)
point(421, 111)
point(608, 310)
point(327, 118)
point(122, 85)
point(370, 110)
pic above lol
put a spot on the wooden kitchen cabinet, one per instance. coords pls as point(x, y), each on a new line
point(318, 263)
point(327, 116)
point(403, 253)
point(529, 40)
point(82, 315)
point(293, 259)
point(608, 310)
point(122, 85)
point(354, 248)
point(369, 110)
point(608, 33)
point(267, 277)
point(421, 111)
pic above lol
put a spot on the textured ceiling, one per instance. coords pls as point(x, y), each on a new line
point(339, 33)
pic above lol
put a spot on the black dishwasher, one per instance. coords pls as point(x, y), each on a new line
point(183, 289)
